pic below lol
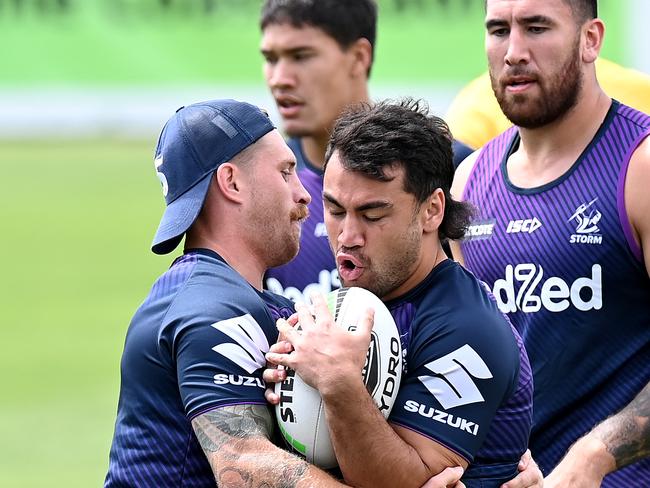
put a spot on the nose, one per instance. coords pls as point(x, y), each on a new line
point(350, 233)
point(280, 74)
point(517, 52)
point(301, 195)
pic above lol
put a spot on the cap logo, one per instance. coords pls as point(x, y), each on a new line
point(161, 176)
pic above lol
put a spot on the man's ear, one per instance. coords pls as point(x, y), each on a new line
point(433, 211)
point(361, 51)
point(593, 33)
point(228, 179)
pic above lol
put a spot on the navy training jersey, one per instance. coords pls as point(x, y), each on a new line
point(562, 261)
point(195, 344)
point(314, 268)
point(467, 383)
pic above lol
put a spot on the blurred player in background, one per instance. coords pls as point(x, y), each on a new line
point(475, 116)
point(318, 57)
point(466, 394)
point(563, 239)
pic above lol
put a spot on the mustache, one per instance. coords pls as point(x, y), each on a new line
point(518, 71)
point(301, 212)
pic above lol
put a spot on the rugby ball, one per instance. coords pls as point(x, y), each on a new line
point(301, 412)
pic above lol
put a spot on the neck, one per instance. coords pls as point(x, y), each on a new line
point(431, 257)
point(315, 145)
point(235, 252)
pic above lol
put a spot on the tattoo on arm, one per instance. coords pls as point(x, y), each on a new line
point(235, 440)
point(627, 434)
point(216, 427)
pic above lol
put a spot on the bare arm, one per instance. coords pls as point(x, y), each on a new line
point(460, 179)
point(614, 443)
point(627, 434)
point(236, 442)
point(625, 437)
point(400, 457)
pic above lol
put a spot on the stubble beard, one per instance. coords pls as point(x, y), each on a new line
point(558, 95)
point(392, 273)
point(277, 242)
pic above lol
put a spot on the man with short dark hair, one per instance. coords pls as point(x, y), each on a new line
point(466, 391)
point(318, 58)
point(563, 239)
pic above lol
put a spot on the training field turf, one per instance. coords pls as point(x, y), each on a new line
point(77, 217)
point(77, 220)
point(139, 44)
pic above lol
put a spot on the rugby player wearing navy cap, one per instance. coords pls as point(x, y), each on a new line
point(192, 407)
point(193, 353)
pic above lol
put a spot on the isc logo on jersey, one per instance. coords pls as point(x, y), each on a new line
point(526, 288)
point(527, 226)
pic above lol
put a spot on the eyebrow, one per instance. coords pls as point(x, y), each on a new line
point(290, 51)
point(533, 19)
point(361, 208)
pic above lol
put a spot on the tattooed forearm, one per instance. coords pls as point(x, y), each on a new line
point(241, 421)
point(235, 439)
point(627, 434)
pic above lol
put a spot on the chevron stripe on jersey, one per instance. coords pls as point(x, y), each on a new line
point(562, 261)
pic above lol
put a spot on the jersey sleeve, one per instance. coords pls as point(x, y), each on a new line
point(458, 377)
point(219, 352)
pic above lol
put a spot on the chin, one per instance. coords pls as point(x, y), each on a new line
point(296, 129)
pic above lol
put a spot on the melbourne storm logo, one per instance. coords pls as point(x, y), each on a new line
point(587, 231)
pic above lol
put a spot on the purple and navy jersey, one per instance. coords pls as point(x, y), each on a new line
point(467, 383)
point(195, 344)
point(314, 268)
point(562, 262)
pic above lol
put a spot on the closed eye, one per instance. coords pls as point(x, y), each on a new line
point(499, 32)
point(535, 29)
point(334, 211)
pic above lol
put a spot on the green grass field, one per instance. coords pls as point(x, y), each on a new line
point(94, 46)
point(78, 216)
point(77, 221)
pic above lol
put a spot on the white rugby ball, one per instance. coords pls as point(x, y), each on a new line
point(301, 413)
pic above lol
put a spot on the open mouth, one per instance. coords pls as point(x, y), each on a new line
point(518, 83)
point(288, 106)
point(349, 267)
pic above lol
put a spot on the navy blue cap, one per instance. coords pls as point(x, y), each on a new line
point(194, 142)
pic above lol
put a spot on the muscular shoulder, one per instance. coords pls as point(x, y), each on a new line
point(214, 292)
point(462, 175)
point(637, 197)
point(458, 306)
